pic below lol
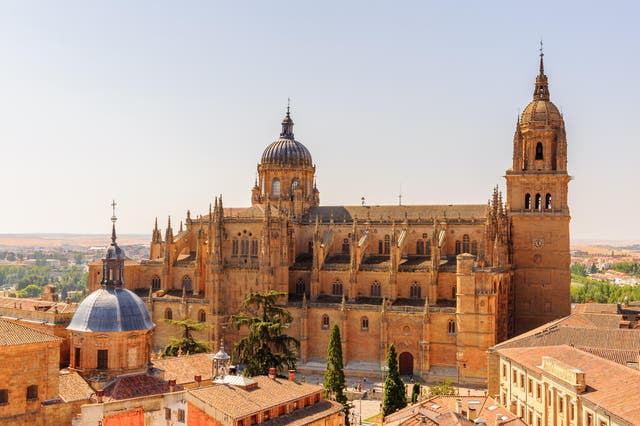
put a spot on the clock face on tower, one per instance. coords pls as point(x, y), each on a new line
point(538, 243)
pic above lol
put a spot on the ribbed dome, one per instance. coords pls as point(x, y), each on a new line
point(111, 309)
point(287, 152)
point(541, 112)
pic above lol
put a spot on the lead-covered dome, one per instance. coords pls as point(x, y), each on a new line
point(111, 309)
point(286, 150)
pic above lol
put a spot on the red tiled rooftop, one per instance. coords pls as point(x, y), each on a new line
point(12, 333)
point(609, 385)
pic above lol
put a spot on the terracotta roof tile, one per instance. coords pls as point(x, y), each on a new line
point(136, 385)
point(306, 415)
point(237, 402)
point(12, 333)
point(73, 387)
point(434, 407)
point(609, 385)
point(183, 368)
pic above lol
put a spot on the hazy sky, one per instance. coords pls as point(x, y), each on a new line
point(162, 104)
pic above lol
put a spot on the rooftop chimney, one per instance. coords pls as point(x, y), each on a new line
point(272, 373)
point(458, 405)
point(292, 375)
point(99, 395)
point(198, 379)
point(172, 385)
point(472, 413)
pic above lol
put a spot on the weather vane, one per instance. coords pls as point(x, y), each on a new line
point(288, 104)
point(541, 47)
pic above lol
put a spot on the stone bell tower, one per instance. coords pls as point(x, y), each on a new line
point(537, 186)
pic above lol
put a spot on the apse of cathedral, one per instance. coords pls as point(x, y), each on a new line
point(441, 282)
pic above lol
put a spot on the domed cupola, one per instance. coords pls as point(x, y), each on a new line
point(286, 173)
point(112, 307)
point(540, 143)
point(286, 150)
point(109, 315)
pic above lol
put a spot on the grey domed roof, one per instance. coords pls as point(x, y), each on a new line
point(287, 152)
point(111, 309)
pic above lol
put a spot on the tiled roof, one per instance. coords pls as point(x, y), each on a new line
point(73, 387)
point(36, 304)
point(437, 407)
point(609, 385)
point(306, 415)
point(12, 333)
point(184, 368)
point(580, 331)
point(399, 213)
point(238, 402)
point(136, 385)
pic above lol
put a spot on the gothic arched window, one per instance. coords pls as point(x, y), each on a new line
point(244, 247)
point(376, 289)
point(451, 328)
point(415, 292)
point(300, 287)
point(234, 248)
point(364, 324)
point(254, 248)
point(186, 283)
point(453, 292)
point(202, 315)
point(458, 247)
point(539, 155)
point(294, 184)
point(547, 203)
point(168, 314)
point(275, 187)
point(325, 322)
point(465, 243)
point(345, 246)
point(420, 247)
point(337, 288)
point(527, 201)
point(427, 248)
point(387, 244)
point(538, 202)
point(155, 283)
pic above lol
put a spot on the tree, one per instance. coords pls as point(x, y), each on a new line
point(395, 396)
point(334, 382)
point(579, 269)
point(266, 345)
point(186, 344)
point(32, 290)
point(415, 392)
point(444, 388)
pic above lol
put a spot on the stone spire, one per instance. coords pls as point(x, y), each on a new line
point(541, 92)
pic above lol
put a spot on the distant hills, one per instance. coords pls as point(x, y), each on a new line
point(46, 240)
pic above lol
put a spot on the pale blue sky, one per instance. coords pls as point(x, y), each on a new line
point(161, 104)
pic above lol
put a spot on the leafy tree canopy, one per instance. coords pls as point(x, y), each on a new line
point(266, 344)
point(187, 343)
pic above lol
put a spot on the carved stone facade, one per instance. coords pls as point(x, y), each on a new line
point(442, 282)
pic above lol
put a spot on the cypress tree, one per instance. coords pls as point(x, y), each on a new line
point(334, 381)
point(395, 396)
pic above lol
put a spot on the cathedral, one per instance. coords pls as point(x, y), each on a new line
point(441, 282)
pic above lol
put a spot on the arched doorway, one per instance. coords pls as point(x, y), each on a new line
point(406, 364)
